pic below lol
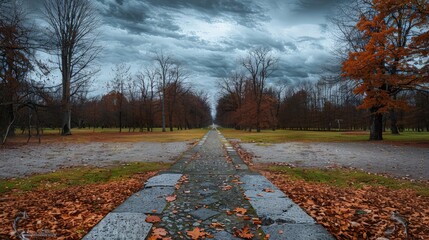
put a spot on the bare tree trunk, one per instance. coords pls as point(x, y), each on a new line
point(163, 110)
point(393, 122)
point(376, 129)
point(9, 127)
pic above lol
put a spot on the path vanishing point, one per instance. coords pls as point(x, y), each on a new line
point(215, 194)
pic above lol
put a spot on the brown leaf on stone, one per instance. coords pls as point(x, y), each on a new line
point(197, 233)
point(170, 198)
point(153, 219)
point(217, 226)
point(244, 233)
point(240, 210)
point(268, 190)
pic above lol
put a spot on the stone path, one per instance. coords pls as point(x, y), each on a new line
point(214, 194)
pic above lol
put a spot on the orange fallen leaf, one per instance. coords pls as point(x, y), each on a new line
point(256, 221)
point(246, 217)
point(170, 198)
point(244, 233)
point(217, 226)
point(197, 233)
point(268, 190)
point(240, 210)
point(158, 233)
point(226, 188)
point(153, 219)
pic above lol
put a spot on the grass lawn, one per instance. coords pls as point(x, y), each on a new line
point(79, 176)
point(113, 135)
point(279, 136)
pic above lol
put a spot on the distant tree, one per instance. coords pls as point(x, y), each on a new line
point(72, 34)
point(386, 65)
point(174, 89)
point(260, 64)
point(121, 79)
point(164, 65)
point(146, 82)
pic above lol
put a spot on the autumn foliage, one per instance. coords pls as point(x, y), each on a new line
point(394, 57)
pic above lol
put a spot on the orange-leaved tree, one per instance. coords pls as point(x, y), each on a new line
point(394, 58)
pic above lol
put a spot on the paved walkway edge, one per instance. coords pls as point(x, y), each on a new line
point(281, 218)
point(128, 220)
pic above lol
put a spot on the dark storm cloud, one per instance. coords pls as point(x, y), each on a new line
point(243, 11)
point(315, 6)
point(133, 30)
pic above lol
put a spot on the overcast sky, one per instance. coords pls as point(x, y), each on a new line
point(209, 36)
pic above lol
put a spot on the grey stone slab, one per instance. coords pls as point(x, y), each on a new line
point(204, 213)
point(279, 209)
point(206, 192)
point(258, 194)
point(224, 235)
point(207, 184)
point(146, 200)
point(120, 226)
point(297, 232)
point(256, 182)
point(209, 200)
point(241, 166)
point(163, 180)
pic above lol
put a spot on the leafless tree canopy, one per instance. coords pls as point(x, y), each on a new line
point(72, 28)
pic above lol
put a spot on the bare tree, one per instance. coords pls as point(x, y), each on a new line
point(165, 64)
point(72, 26)
point(260, 64)
point(15, 54)
point(175, 88)
point(146, 86)
point(121, 79)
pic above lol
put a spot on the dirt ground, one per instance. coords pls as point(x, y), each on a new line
point(29, 159)
point(398, 161)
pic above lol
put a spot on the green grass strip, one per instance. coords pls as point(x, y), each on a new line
point(79, 176)
point(344, 178)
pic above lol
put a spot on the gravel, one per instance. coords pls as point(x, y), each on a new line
point(397, 161)
point(31, 159)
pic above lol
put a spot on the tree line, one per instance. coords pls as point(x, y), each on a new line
point(383, 82)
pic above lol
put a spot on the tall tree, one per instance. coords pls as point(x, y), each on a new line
point(260, 64)
point(164, 65)
point(386, 64)
point(72, 32)
point(121, 80)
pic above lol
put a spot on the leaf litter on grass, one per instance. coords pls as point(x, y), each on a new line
point(66, 213)
point(359, 212)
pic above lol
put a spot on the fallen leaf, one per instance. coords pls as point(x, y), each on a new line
point(170, 198)
point(161, 232)
point(256, 221)
point(217, 226)
point(197, 233)
point(153, 219)
point(240, 210)
point(268, 190)
point(244, 233)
